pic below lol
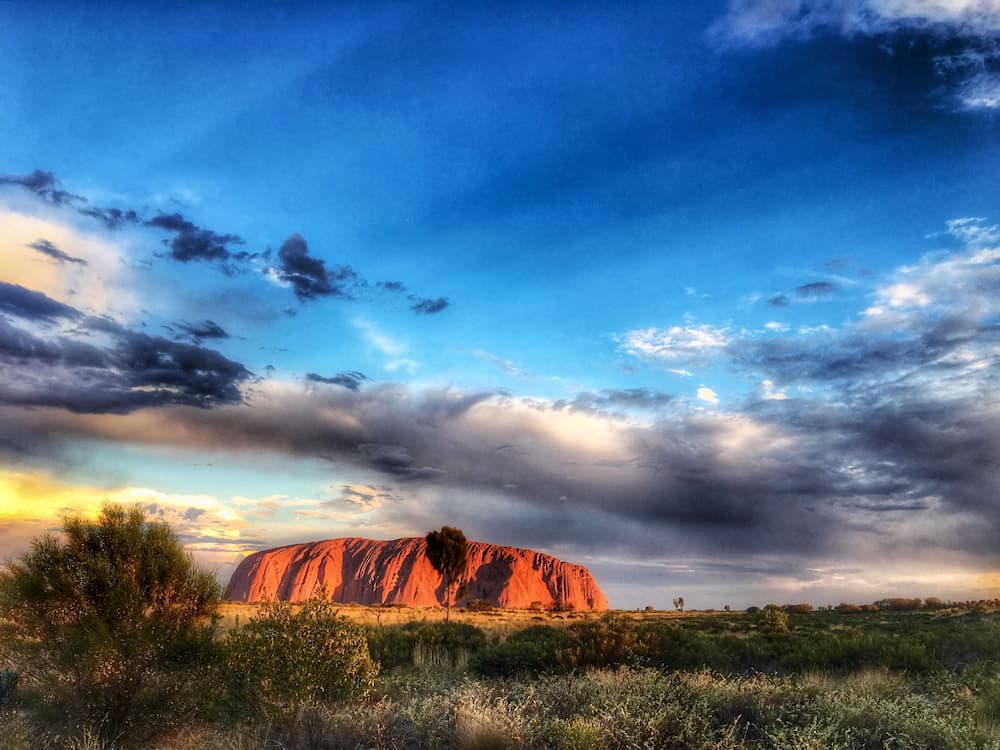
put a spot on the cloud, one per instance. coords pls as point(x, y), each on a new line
point(32, 305)
point(32, 503)
point(778, 300)
point(191, 242)
point(45, 247)
point(112, 218)
point(426, 306)
point(378, 338)
point(43, 184)
point(676, 343)
point(308, 276)
point(615, 399)
point(768, 21)
point(962, 32)
point(367, 497)
point(104, 284)
point(119, 373)
point(772, 392)
point(504, 364)
point(351, 379)
point(198, 332)
point(708, 395)
point(815, 290)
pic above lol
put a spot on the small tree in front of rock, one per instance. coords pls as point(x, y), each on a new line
point(448, 553)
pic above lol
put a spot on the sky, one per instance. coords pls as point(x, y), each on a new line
point(703, 296)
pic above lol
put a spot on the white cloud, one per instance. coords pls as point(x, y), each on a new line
point(102, 285)
point(965, 284)
point(708, 395)
point(677, 342)
point(772, 392)
point(982, 91)
point(973, 230)
point(766, 21)
point(776, 326)
point(396, 365)
point(377, 338)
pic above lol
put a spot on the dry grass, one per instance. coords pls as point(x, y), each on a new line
point(494, 622)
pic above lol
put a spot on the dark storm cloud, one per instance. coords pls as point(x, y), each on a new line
point(428, 306)
point(392, 286)
point(131, 371)
point(778, 300)
point(352, 379)
point(32, 305)
point(45, 247)
point(198, 332)
point(191, 242)
point(815, 290)
point(309, 276)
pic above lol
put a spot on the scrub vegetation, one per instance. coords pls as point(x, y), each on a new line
point(133, 656)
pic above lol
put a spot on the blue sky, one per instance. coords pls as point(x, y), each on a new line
point(700, 297)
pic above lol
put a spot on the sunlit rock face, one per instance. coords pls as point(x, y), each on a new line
point(368, 571)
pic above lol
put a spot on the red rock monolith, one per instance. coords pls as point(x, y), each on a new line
point(368, 571)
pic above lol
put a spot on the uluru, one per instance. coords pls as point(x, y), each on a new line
point(368, 571)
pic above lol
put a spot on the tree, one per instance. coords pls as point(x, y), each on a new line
point(113, 626)
point(679, 603)
point(448, 552)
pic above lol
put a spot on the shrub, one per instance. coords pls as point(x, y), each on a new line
point(116, 624)
point(8, 688)
point(282, 660)
point(453, 642)
point(774, 620)
point(527, 651)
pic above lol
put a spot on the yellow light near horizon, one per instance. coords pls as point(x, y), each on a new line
point(38, 496)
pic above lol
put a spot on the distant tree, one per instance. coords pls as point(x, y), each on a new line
point(113, 624)
point(679, 603)
point(727, 608)
point(448, 552)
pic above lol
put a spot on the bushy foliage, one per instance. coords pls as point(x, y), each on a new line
point(394, 646)
point(774, 620)
point(283, 659)
point(112, 626)
point(642, 708)
point(8, 687)
point(530, 651)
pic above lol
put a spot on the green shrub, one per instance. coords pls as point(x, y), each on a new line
point(282, 660)
point(116, 624)
point(452, 641)
point(8, 688)
point(530, 651)
point(774, 620)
